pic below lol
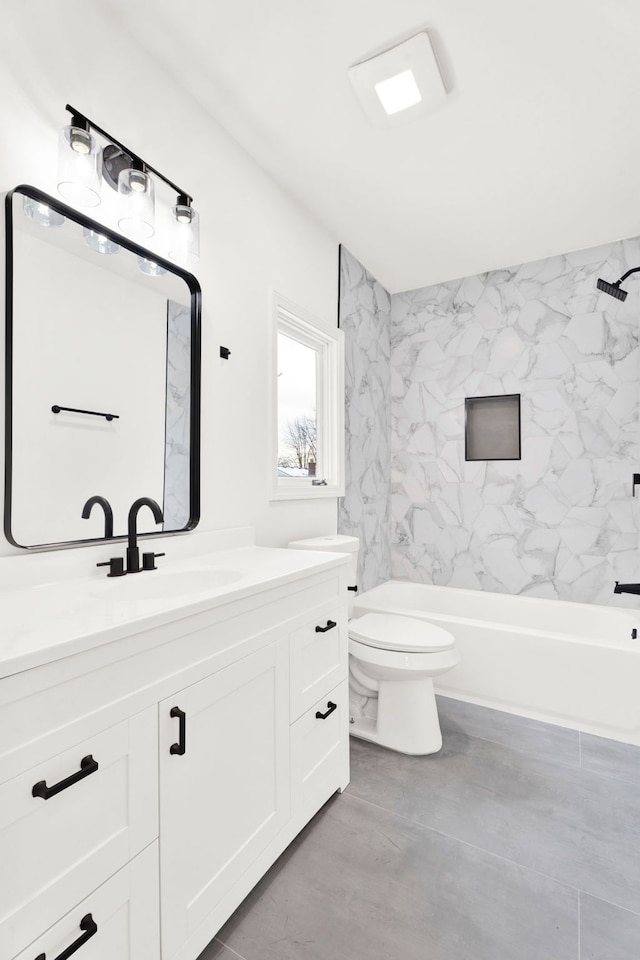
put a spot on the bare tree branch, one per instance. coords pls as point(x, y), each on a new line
point(300, 436)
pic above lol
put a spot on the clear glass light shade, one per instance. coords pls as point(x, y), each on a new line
point(185, 242)
point(150, 267)
point(98, 242)
point(79, 167)
point(137, 195)
point(42, 214)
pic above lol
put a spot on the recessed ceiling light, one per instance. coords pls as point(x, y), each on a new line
point(401, 84)
point(399, 92)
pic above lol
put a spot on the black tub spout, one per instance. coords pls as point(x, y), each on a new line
point(627, 588)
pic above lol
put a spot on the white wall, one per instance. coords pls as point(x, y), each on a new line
point(254, 237)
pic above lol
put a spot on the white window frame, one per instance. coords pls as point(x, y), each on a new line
point(328, 342)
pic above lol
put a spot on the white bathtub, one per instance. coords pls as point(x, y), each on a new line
point(572, 664)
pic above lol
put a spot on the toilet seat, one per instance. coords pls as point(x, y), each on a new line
point(387, 631)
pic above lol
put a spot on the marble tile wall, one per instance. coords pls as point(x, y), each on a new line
point(176, 507)
point(560, 522)
point(365, 308)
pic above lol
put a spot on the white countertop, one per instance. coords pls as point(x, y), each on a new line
point(45, 621)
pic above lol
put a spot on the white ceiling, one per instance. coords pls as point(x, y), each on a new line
point(536, 151)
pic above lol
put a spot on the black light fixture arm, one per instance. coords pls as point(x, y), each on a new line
point(80, 120)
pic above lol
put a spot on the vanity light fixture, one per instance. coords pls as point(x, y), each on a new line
point(82, 160)
point(150, 267)
point(136, 187)
point(400, 84)
point(42, 213)
point(79, 164)
point(186, 233)
point(98, 242)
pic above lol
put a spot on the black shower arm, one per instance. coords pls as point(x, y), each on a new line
point(628, 274)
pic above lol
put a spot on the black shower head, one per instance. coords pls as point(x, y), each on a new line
point(613, 289)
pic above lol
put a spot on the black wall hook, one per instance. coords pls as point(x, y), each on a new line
point(225, 353)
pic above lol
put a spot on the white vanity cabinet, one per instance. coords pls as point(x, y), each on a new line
point(217, 733)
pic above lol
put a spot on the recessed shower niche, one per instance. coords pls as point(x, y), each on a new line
point(492, 428)
point(102, 377)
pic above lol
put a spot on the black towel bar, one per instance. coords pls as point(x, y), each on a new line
point(92, 413)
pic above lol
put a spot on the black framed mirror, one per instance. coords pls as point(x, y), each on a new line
point(102, 378)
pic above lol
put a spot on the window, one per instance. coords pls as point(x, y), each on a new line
point(307, 424)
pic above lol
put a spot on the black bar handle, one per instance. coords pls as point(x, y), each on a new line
point(87, 766)
point(323, 716)
point(354, 588)
point(90, 928)
point(56, 408)
point(149, 560)
point(330, 625)
point(116, 566)
point(180, 747)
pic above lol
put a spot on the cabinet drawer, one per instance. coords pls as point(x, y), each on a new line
point(320, 753)
point(319, 658)
point(71, 822)
point(119, 921)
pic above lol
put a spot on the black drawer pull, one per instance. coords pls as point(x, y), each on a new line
point(323, 716)
point(180, 747)
point(330, 625)
point(354, 588)
point(90, 928)
point(87, 766)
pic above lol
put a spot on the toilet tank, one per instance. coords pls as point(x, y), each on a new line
point(335, 543)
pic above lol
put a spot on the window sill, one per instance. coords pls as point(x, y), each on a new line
point(307, 492)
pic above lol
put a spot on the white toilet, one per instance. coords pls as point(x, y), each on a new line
point(392, 662)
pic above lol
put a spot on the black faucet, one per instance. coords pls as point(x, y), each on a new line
point(108, 514)
point(627, 588)
point(133, 554)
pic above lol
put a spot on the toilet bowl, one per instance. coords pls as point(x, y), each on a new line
point(392, 662)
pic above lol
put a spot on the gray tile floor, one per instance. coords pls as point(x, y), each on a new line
point(518, 841)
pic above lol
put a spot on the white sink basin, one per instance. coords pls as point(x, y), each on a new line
point(166, 584)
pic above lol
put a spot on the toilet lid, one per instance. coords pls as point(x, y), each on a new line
point(389, 631)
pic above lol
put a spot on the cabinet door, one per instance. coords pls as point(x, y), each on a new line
point(226, 796)
point(118, 921)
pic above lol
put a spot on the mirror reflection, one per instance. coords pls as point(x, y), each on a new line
point(102, 379)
